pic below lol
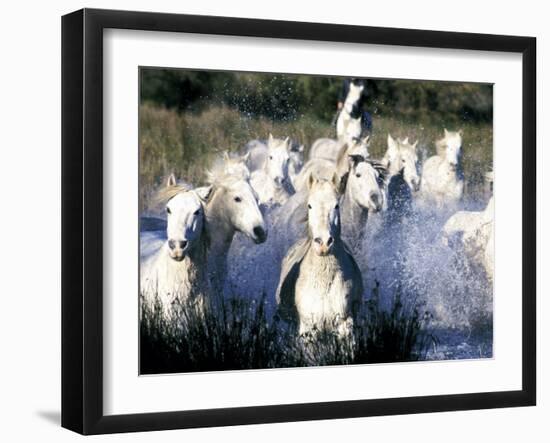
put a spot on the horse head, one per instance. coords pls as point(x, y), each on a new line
point(452, 144)
point(354, 94)
point(185, 221)
point(323, 213)
point(235, 203)
point(402, 157)
point(365, 182)
point(276, 163)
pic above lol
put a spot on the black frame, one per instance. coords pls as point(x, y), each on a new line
point(82, 235)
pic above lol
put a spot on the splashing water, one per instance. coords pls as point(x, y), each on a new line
point(407, 257)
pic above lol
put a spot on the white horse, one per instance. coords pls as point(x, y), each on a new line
point(348, 125)
point(403, 182)
point(177, 272)
point(363, 193)
point(320, 284)
point(442, 178)
point(231, 207)
point(230, 164)
point(328, 148)
point(271, 180)
point(257, 152)
point(473, 232)
point(319, 159)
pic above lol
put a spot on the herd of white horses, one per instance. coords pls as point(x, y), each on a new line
point(322, 205)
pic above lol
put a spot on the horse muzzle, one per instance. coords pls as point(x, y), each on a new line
point(260, 235)
point(178, 249)
point(323, 248)
point(375, 202)
point(177, 255)
point(279, 182)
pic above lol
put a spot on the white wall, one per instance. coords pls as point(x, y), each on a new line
point(30, 238)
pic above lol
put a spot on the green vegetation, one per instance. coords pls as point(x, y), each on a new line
point(289, 97)
point(188, 117)
point(186, 143)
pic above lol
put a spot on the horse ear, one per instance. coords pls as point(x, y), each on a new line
point(366, 140)
point(406, 141)
point(392, 145)
point(204, 192)
point(246, 157)
point(415, 144)
point(270, 138)
point(171, 181)
point(225, 156)
point(300, 148)
point(445, 132)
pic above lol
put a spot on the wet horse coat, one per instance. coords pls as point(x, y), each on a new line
point(320, 284)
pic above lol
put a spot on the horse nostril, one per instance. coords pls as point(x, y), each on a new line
point(171, 244)
point(259, 232)
point(183, 244)
point(318, 240)
point(330, 240)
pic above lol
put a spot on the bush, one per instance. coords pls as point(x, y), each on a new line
point(240, 335)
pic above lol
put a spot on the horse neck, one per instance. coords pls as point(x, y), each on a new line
point(323, 263)
point(345, 115)
point(193, 266)
point(220, 230)
point(397, 186)
point(393, 169)
point(351, 212)
point(456, 174)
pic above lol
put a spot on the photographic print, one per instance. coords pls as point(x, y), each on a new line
point(304, 220)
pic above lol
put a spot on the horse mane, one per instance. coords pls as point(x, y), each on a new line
point(220, 178)
point(217, 173)
point(341, 157)
point(378, 166)
point(166, 193)
point(382, 170)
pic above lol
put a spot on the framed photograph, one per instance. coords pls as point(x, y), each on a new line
point(269, 221)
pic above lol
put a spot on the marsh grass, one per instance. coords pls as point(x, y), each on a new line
point(239, 334)
point(186, 143)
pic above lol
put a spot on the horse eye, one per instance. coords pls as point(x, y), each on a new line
point(309, 206)
point(238, 199)
point(168, 210)
point(358, 175)
point(270, 157)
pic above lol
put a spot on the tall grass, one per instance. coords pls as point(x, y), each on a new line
point(186, 143)
point(239, 334)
